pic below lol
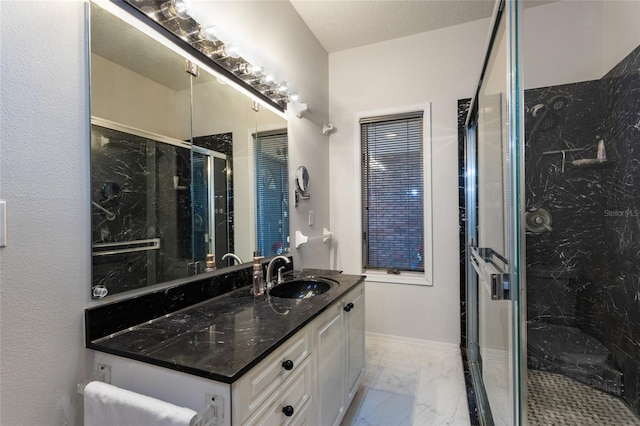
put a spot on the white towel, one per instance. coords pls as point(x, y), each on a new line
point(107, 405)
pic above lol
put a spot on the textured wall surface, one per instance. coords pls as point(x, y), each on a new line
point(45, 269)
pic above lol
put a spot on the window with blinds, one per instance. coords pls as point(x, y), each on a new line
point(393, 192)
point(271, 160)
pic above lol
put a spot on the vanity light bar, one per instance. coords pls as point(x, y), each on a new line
point(200, 47)
point(124, 11)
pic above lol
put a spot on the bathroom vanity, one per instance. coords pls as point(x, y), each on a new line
point(238, 359)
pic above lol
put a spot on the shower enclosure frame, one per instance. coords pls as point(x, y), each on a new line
point(210, 156)
point(507, 13)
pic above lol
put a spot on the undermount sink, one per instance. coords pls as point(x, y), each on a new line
point(302, 288)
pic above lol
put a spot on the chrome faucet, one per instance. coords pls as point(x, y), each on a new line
point(232, 256)
point(269, 277)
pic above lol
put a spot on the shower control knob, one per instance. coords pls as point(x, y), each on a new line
point(287, 365)
point(288, 411)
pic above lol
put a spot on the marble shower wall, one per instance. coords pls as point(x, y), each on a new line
point(612, 303)
point(595, 241)
point(145, 185)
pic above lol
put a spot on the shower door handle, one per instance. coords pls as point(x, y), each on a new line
point(491, 268)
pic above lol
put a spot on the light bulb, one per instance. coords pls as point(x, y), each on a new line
point(294, 97)
point(232, 50)
point(175, 8)
point(246, 68)
point(270, 79)
point(283, 88)
point(210, 32)
point(227, 51)
point(181, 8)
point(256, 70)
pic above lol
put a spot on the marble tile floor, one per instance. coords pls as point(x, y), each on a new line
point(409, 384)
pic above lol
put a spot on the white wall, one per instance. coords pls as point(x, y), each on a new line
point(45, 269)
point(563, 43)
point(622, 31)
point(572, 41)
point(295, 56)
point(44, 170)
point(440, 67)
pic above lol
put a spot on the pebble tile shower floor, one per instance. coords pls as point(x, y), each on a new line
point(558, 400)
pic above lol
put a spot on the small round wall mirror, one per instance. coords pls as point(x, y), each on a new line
point(302, 181)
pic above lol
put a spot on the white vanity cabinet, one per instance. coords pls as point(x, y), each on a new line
point(326, 361)
point(310, 379)
point(339, 352)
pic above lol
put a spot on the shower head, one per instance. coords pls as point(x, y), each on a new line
point(546, 119)
point(538, 110)
point(558, 103)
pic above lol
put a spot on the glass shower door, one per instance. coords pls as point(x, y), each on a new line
point(493, 237)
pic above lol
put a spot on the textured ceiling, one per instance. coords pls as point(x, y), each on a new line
point(344, 24)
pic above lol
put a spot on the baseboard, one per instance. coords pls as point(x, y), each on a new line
point(430, 344)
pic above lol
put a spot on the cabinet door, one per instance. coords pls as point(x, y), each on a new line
point(330, 356)
point(354, 321)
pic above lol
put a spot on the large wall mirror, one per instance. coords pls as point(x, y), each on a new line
point(181, 166)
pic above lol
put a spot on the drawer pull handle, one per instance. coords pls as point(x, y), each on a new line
point(287, 365)
point(288, 411)
point(348, 307)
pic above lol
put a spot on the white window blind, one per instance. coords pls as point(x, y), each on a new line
point(272, 192)
point(393, 192)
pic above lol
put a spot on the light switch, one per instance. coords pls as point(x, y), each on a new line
point(311, 218)
point(3, 223)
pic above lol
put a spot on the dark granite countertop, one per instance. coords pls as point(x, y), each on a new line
point(223, 337)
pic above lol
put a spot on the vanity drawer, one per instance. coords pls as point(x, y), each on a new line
point(291, 404)
point(261, 382)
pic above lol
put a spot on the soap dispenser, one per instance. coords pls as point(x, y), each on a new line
point(258, 275)
point(210, 263)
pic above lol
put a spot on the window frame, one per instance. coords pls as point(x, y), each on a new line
point(405, 277)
